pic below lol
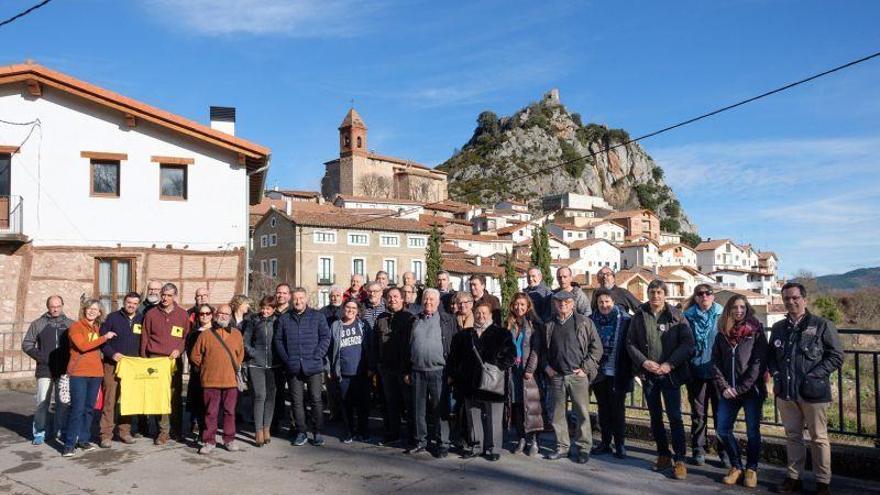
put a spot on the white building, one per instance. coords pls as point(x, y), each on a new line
point(718, 255)
point(644, 253)
point(108, 193)
point(678, 255)
point(734, 278)
point(575, 201)
point(403, 208)
point(669, 238)
point(479, 245)
point(597, 253)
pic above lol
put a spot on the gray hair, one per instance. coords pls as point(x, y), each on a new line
point(335, 288)
point(374, 284)
point(171, 287)
point(430, 291)
point(463, 296)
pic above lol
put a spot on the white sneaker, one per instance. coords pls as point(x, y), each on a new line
point(206, 449)
point(232, 447)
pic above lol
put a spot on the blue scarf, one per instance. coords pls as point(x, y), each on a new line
point(703, 324)
point(608, 327)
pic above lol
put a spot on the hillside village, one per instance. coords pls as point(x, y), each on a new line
point(73, 203)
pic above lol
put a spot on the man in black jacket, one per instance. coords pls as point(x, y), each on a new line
point(127, 324)
point(804, 351)
point(621, 296)
point(46, 343)
point(390, 340)
point(660, 344)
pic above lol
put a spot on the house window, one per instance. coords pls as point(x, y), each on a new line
point(569, 234)
point(325, 271)
point(114, 278)
point(273, 267)
point(273, 239)
point(418, 268)
point(172, 182)
point(324, 237)
point(418, 242)
point(264, 267)
point(359, 266)
point(390, 266)
point(358, 239)
point(323, 298)
point(264, 241)
point(105, 178)
point(386, 240)
point(272, 222)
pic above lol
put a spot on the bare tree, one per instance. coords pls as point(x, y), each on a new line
point(421, 190)
point(375, 186)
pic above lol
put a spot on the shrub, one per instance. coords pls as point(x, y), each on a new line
point(690, 238)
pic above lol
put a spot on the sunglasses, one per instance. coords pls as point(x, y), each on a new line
point(704, 293)
point(205, 314)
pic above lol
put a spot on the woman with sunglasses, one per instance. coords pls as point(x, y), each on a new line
point(702, 313)
point(738, 367)
point(195, 403)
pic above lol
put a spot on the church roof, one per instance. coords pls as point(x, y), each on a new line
point(353, 119)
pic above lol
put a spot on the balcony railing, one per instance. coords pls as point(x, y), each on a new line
point(11, 217)
point(326, 278)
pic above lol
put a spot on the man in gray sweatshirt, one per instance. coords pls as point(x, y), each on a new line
point(425, 372)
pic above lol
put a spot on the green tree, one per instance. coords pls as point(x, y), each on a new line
point(826, 306)
point(670, 225)
point(544, 257)
point(433, 257)
point(509, 284)
point(690, 239)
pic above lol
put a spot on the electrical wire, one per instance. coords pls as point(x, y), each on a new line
point(24, 13)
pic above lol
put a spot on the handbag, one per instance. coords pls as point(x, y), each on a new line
point(64, 385)
point(492, 379)
point(240, 380)
point(99, 400)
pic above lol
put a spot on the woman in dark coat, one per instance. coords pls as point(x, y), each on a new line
point(485, 410)
point(615, 378)
point(524, 399)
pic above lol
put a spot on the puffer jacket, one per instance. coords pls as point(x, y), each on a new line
point(741, 366)
point(802, 357)
point(259, 334)
point(301, 341)
point(531, 394)
point(46, 343)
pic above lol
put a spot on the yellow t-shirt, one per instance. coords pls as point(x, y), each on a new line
point(144, 385)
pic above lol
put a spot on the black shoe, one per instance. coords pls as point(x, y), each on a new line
point(699, 457)
point(582, 458)
point(600, 448)
point(620, 452)
point(491, 456)
point(85, 446)
point(67, 452)
point(442, 452)
point(552, 456)
point(418, 449)
point(317, 440)
point(468, 453)
point(299, 440)
point(790, 486)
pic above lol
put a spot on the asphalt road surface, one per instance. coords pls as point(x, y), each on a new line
point(334, 469)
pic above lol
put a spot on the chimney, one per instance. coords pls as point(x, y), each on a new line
point(288, 206)
point(223, 119)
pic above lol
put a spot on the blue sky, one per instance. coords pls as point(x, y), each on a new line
point(798, 173)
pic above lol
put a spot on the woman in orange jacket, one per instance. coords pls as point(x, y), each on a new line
point(86, 372)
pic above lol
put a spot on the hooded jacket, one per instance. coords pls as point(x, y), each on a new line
point(46, 343)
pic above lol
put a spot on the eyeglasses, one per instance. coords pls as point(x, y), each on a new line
point(223, 314)
point(704, 293)
point(205, 314)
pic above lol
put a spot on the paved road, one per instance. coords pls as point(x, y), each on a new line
point(334, 469)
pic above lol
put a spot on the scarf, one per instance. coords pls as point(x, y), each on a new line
point(608, 327)
point(742, 331)
point(703, 324)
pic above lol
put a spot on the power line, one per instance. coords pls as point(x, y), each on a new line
point(657, 132)
point(24, 13)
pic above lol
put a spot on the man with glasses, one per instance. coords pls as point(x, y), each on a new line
point(464, 310)
point(374, 304)
point(127, 324)
point(702, 313)
point(390, 339)
point(151, 297)
point(409, 298)
point(164, 334)
point(804, 351)
point(621, 296)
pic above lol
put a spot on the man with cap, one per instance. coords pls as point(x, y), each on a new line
point(571, 360)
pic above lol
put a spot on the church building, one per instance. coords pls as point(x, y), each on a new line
point(360, 172)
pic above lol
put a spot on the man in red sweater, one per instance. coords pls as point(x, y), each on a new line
point(164, 334)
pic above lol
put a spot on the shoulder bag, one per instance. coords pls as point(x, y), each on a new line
point(239, 377)
point(492, 378)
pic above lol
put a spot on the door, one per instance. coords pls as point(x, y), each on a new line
point(5, 188)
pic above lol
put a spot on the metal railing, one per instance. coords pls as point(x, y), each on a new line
point(855, 391)
point(11, 215)
point(326, 278)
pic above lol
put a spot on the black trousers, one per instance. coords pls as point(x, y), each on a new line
point(611, 407)
point(398, 400)
point(298, 384)
point(701, 395)
point(355, 394)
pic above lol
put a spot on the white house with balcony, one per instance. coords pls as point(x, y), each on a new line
point(100, 193)
point(678, 255)
point(713, 255)
point(642, 253)
point(734, 278)
point(598, 253)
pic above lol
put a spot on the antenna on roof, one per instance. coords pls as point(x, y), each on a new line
point(351, 103)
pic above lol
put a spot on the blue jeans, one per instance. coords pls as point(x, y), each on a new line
point(83, 394)
point(753, 404)
point(657, 394)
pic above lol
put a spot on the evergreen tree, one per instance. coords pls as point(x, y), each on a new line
point(544, 256)
point(509, 284)
point(433, 257)
point(535, 255)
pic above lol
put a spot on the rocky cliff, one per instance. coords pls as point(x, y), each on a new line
point(545, 141)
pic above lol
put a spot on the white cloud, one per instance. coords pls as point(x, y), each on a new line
point(295, 18)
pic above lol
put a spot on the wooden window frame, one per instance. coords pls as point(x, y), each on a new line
point(99, 161)
point(175, 166)
point(132, 267)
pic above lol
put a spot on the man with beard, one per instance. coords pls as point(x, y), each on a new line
point(373, 305)
point(621, 296)
point(152, 297)
point(218, 353)
point(333, 310)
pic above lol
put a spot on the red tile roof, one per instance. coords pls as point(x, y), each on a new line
point(384, 201)
point(468, 268)
point(707, 245)
point(344, 220)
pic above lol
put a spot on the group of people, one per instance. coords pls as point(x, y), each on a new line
point(452, 371)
